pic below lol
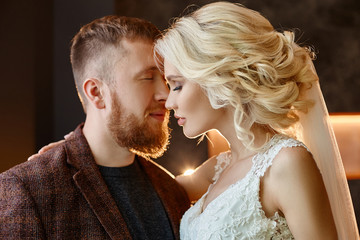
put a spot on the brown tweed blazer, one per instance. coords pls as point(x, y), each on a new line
point(61, 195)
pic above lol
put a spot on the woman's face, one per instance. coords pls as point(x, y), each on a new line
point(190, 104)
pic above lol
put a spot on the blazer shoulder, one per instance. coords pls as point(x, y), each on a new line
point(41, 165)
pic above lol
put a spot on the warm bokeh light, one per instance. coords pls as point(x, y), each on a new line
point(189, 172)
point(347, 132)
point(345, 118)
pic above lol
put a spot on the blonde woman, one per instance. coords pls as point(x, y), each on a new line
point(228, 69)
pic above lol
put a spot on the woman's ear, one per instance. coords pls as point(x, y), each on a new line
point(93, 91)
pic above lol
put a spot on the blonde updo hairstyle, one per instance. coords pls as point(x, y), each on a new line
point(240, 61)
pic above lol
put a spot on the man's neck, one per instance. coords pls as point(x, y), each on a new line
point(105, 150)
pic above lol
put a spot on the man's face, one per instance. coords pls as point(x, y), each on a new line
point(138, 119)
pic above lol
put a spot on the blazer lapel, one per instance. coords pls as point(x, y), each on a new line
point(93, 187)
point(173, 197)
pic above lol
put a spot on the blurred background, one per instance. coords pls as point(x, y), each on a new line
point(38, 99)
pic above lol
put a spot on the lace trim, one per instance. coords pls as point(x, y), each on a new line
point(261, 161)
point(264, 160)
point(282, 229)
point(223, 160)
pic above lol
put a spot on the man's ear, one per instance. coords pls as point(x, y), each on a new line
point(94, 92)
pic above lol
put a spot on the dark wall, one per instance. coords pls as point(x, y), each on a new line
point(69, 16)
point(26, 68)
point(39, 102)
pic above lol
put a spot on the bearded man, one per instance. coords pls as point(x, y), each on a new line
point(100, 182)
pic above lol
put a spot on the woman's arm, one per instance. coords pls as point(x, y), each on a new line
point(197, 183)
point(301, 196)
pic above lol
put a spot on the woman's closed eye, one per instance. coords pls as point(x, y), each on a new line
point(175, 83)
point(177, 88)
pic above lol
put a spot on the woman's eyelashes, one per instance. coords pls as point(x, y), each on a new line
point(175, 85)
point(177, 88)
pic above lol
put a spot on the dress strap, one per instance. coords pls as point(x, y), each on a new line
point(264, 160)
point(223, 160)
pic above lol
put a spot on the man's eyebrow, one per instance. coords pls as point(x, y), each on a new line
point(152, 68)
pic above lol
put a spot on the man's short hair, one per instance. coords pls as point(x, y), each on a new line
point(97, 46)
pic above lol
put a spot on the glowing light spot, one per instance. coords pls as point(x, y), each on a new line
point(189, 172)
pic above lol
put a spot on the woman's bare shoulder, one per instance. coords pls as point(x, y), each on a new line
point(293, 159)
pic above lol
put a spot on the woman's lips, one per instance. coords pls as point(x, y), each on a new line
point(181, 121)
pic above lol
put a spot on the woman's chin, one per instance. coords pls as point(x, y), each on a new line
point(192, 135)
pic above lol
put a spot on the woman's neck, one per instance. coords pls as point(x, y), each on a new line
point(238, 149)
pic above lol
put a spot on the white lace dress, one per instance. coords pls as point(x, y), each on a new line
point(237, 212)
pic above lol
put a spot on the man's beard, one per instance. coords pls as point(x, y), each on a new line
point(140, 137)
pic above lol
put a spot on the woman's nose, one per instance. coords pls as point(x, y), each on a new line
point(170, 103)
point(162, 91)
